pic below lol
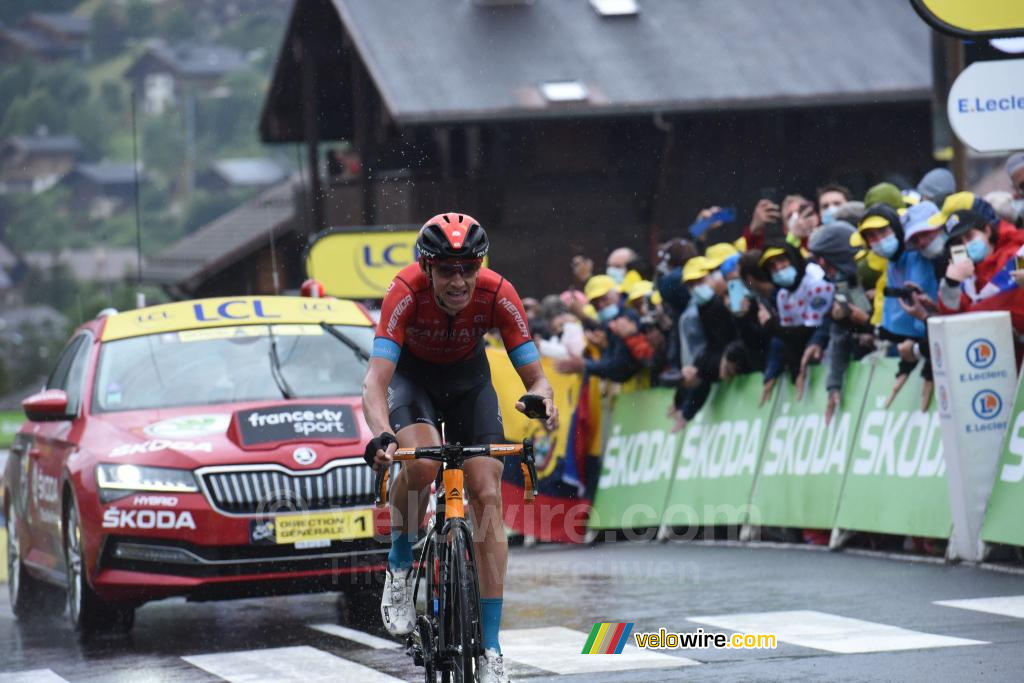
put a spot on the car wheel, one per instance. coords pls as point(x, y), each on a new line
point(31, 598)
point(89, 613)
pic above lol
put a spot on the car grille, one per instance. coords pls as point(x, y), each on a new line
point(271, 489)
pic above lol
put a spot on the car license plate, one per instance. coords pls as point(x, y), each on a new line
point(306, 529)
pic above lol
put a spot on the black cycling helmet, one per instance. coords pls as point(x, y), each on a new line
point(452, 236)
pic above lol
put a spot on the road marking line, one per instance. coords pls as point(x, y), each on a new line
point(830, 632)
point(285, 664)
point(355, 636)
point(32, 676)
point(557, 649)
point(1007, 606)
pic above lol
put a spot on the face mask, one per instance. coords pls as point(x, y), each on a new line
point(608, 313)
point(785, 277)
point(617, 273)
point(703, 294)
point(935, 248)
point(1018, 207)
point(977, 249)
point(828, 215)
point(737, 293)
point(887, 246)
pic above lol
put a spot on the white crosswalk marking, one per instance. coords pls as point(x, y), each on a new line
point(557, 649)
point(356, 636)
point(285, 664)
point(1007, 606)
point(830, 632)
point(32, 676)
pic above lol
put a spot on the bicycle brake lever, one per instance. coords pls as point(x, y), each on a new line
point(380, 486)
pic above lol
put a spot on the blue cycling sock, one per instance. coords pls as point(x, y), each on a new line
point(400, 556)
point(491, 621)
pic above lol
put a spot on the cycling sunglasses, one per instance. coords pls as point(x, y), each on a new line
point(451, 268)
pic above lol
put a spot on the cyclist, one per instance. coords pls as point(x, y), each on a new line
point(428, 361)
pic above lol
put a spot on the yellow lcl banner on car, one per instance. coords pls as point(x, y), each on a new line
point(360, 265)
point(238, 310)
point(976, 18)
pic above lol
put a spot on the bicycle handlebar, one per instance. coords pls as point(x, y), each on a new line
point(457, 453)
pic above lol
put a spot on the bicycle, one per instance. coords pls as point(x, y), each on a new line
point(448, 636)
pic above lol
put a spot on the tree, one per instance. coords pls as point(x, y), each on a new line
point(109, 30)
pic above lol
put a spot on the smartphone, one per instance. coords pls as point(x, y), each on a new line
point(726, 215)
point(905, 293)
point(737, 292)
point(958, 253)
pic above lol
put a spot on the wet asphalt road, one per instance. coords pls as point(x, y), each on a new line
point(555, 595)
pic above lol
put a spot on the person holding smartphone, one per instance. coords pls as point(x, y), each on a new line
point(984, 252)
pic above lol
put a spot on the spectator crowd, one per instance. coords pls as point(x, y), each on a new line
point(823, 280)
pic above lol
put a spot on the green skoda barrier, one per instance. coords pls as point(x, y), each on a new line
point(10, 423)
point(637, 464)
point(718, 459)
point(1006, 504)
point(803, 464)
point(896, 480)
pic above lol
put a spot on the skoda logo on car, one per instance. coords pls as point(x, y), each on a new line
point(304, 455)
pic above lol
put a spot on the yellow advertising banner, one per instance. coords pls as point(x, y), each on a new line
point(975, 18)
point(360, 265)
point(549, 448)
point(238, 310)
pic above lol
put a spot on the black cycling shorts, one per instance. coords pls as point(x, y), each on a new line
point(459, 394)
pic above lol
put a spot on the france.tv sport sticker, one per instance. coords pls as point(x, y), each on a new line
point(981, 353)
point(986, 404)
point(296, 421)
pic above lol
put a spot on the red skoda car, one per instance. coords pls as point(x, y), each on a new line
point(208, 448)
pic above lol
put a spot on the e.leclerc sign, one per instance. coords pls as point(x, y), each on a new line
point(986, 105)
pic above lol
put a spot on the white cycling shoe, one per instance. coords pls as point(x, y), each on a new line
point(490, 668)
point(396, 608)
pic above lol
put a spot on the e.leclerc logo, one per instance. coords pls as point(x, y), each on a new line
point(981, 353)
point(986, 404)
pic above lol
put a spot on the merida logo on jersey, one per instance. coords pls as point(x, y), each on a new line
point(513, 310)
point(397, 313)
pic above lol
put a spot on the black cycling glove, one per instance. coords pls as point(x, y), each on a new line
point(379, 443)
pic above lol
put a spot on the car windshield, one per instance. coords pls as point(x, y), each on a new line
point(227, 365)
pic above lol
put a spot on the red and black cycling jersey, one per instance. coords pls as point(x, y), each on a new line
point(412, 321)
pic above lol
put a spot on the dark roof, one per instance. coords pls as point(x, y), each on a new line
point(108, 172)
point(188, 59)
point(460, 61)
point(45, 144)
point(27, 40)
point(248, 172)
point(224, 241)
point(61, 22)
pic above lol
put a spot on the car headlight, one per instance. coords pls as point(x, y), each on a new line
point(143, 478)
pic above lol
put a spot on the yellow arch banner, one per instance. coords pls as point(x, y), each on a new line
point(508, 386)
point(973, 18)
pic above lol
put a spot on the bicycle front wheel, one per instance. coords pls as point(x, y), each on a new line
point(462, 623)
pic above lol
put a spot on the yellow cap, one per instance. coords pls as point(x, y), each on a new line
point(873, 222)
point(696, 268)
point(770, 253)
point(598, 286)
point(740, 244)
point(958, 201)
point(631, 278)
point(718, 253)
point(857, 242)
point(639, 290)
